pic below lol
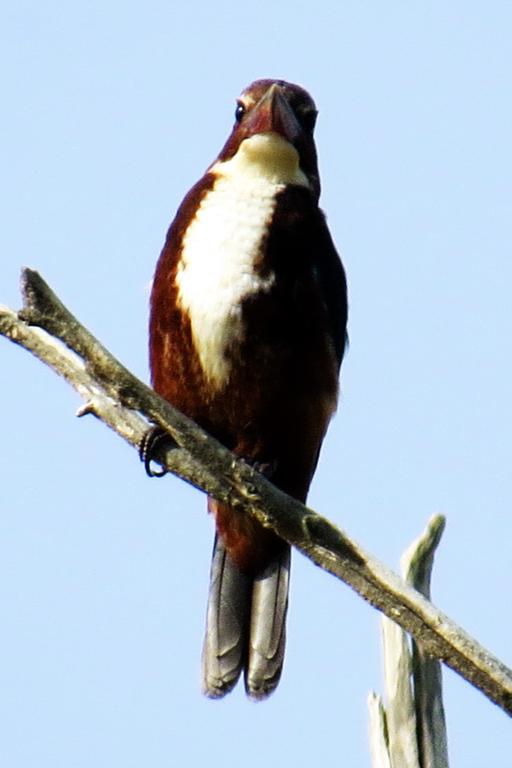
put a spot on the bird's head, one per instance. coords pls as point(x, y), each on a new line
point(273, 135)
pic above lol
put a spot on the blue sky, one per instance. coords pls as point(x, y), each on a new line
point(110, 112)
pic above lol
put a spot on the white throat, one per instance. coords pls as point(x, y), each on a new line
point(265, 155)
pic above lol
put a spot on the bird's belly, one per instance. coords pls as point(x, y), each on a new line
point(221, 267)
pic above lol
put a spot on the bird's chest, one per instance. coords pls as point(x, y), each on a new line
point(222, 264)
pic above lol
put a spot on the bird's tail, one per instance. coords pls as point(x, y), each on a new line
point(245, 624)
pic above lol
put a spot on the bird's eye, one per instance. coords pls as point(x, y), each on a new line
point(239, 111)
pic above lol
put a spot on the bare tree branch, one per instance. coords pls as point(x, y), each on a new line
point(417, 563)
point(119, 399)
point(409, 730)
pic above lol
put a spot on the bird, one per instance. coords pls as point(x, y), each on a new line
point(247, 331)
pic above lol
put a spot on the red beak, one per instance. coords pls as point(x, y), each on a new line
point(273, 114)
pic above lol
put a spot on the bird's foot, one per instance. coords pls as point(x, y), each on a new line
point(265, 468)
point(154, 440)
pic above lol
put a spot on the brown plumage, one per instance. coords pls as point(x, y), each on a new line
point(247, 333)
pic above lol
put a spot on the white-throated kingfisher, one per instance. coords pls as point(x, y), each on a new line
point(247, 333)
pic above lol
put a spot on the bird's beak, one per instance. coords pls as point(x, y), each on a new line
point(273, 114)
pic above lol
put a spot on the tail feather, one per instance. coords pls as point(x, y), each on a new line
point(227, 618)
point(268, 627)
point(245, 625)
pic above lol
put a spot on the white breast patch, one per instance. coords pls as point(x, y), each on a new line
point(222, 243)
point(217, 267)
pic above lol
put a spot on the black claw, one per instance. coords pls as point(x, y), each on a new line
point(265, 468)
point(153, 441)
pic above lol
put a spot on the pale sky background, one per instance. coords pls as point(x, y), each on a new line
point(110, 112)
